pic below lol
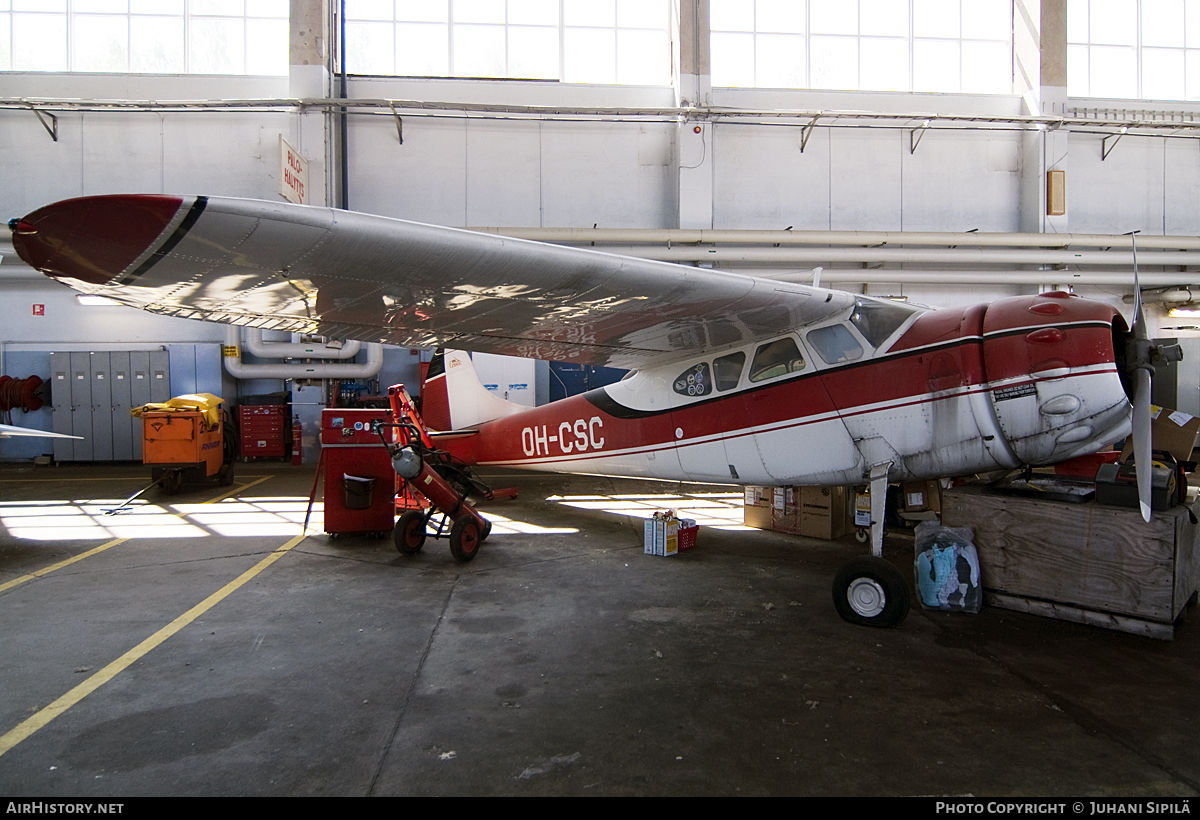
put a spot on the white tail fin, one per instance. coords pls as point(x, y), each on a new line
point(454, 398)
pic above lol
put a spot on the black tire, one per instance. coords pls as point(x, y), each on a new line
point(409, 534)
point(487, 530)
point(172, 482)
point(871, 592)
point(225, 474)
point(464, 538)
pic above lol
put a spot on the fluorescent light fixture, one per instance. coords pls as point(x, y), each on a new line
point(91, 299)
point(1184, 313)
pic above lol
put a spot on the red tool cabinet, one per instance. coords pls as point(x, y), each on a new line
point(264, 429)
point(359, 480)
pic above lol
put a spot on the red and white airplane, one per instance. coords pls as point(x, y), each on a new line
point(737, 379)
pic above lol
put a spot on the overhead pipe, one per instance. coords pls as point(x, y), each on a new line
point(252, 341)
point(863, 239)
point(908, 276)
point(299, 370)
point(882, 255)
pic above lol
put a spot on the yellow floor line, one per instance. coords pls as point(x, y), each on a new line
point(236, 490)
point(31, 724)
point(45, 570)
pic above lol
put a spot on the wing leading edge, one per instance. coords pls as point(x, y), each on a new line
point(372, 278)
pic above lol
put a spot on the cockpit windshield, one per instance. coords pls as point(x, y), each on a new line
point(877, 319)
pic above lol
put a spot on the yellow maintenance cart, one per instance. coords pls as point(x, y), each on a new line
point(187, 440)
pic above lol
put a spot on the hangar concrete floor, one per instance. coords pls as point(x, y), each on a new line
point(561, 661)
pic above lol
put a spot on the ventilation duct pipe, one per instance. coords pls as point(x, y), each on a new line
point(300, 370)
point(252, 341)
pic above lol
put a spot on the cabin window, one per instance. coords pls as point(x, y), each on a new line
point(835, 344)
point(727, 370)
point(695, 381)
point(777, 358)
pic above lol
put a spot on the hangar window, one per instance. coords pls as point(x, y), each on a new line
point(955, 46)
point(777, 358)
point(1133, 49)
point(145, 36)
point(576, 41)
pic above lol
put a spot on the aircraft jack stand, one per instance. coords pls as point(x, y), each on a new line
point(869, 591)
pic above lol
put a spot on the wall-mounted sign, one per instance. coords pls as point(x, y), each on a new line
point(293, 174)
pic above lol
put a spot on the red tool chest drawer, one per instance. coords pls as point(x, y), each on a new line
point(264, 430)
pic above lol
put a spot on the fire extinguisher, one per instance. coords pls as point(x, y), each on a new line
point(297, 450)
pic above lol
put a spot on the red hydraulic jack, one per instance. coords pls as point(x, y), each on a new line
point(432, 483)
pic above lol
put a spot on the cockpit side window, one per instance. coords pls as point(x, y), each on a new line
point(727, 370)
point(776, 358)
point(835, 344)
point(695, 381)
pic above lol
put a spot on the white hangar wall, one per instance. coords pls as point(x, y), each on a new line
point(481, 169)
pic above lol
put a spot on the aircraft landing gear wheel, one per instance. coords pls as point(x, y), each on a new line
point(409, 533)
point(871, 592)
point(464, 538)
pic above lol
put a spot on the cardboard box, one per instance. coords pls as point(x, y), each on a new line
point(757, 507)
point(824, 512)
point(922, 496)
point(785, 512)
point(661, 537)
point(1170, 430)
point(816, 512)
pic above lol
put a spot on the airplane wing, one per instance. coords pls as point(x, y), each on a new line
point(357, 276)
point(7, 430)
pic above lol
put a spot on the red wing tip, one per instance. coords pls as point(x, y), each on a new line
point(93, 238)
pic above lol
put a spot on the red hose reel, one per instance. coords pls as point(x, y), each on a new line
point(21, 394)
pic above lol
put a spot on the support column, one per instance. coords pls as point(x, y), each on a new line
point(1040, 59)
point(694, 146)
point(310, 76)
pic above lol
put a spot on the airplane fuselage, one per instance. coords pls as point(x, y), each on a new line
point(1026, 380)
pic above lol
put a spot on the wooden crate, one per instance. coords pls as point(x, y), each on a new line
point(1087, 563)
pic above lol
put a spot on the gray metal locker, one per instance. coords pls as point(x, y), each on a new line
point(102, 405)
point(81, 404)
point(92, 394)
point(122, 422)
point(60, 404)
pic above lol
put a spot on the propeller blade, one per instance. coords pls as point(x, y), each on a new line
point(1142, 455)
point(1138, 360)
point(1139, 318)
